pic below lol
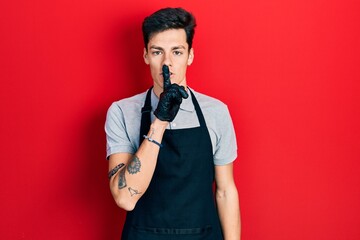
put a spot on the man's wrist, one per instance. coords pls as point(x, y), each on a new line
point(159, 124)
point(156, 131)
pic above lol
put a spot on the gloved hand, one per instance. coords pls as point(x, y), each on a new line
point(170, 98)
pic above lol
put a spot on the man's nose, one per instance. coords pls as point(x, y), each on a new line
point(167, 59)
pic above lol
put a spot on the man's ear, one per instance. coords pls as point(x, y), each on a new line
point(145, 55)
point(191, 57)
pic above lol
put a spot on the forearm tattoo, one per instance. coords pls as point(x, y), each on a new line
point(134, 165)
point(122, 180)
point(133, 191)
point(115, 170)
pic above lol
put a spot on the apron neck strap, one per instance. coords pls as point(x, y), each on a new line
point(145, 116)
point(198, 109)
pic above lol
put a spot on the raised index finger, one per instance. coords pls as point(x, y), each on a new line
point(166, 75)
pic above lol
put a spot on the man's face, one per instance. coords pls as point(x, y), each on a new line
point(170, 48)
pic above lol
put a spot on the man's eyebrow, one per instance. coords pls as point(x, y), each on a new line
point(156, 47)
point(178, 47)
point(173, 48)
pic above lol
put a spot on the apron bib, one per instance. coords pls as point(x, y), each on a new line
point(179, 202)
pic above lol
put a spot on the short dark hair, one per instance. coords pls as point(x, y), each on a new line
point(169, 18)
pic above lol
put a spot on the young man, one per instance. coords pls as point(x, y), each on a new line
point(167, 145)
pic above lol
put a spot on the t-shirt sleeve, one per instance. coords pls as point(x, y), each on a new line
point(226, 146)
point(117, 139)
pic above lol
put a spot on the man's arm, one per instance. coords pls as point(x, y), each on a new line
point(134, 172)
point(130, 175)
point(130, 180)
point(227, 202)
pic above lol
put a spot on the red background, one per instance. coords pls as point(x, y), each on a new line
point(287, 69)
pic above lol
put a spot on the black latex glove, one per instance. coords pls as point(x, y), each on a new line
point(170, 98)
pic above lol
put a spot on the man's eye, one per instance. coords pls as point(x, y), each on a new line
point(156, 53)
point(177, 53)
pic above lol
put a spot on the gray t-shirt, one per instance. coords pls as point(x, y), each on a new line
point(123, 119)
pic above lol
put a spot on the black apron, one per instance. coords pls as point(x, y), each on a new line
point(179, 202)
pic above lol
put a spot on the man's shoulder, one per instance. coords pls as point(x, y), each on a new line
point(129, 106)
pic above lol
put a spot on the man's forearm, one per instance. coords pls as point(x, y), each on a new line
point(229, 213)
point(134, 176)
